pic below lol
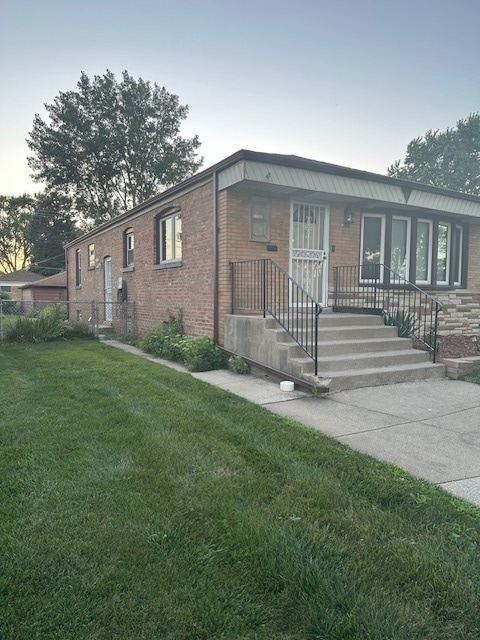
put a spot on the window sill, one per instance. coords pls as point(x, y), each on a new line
point(167, 265)
point(128, 269)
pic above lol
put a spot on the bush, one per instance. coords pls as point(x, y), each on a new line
point(49, 324)
point(238, 365)
point(165, 341)
point(201, 354)
point(8, 306)
point(405, 321)
point(79, 330)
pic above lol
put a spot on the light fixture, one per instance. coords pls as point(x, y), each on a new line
point(348, 216)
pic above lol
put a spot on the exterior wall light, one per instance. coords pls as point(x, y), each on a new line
point(348, 216)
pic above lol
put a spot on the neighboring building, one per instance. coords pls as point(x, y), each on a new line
point(11, 283)
point(175, 250)
point(50, 289)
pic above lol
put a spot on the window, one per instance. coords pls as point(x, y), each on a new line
point(7, 288)
point(129, 245)
point(259, 220)
point(91, 256)
point(400, 247)
point(78, 268)
point(423, 254)
point(443, 253)
point(372, 247)
point(457, 273)
point(170, 238)
point(424, 251)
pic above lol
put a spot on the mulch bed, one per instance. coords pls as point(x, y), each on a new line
point(458, 347)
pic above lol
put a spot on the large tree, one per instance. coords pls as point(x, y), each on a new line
point(50, 228)
point(449, 159)
point(15, 242)
point(111, 145)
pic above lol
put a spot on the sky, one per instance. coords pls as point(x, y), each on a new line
point(350, 82)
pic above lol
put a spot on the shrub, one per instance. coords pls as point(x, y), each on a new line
point(165, 341)
point(201, 354)
point(79, 330)
point(238, 365)
point(49, 324)
point(8, 306)
point(405, 321)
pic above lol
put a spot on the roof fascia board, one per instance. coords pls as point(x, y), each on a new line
point(383, 192)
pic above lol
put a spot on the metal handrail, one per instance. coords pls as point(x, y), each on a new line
point(261, 285)
point(377, 289)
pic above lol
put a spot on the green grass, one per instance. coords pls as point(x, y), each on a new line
point(139, 503)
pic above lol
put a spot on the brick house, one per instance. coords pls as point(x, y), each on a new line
point(311, 218)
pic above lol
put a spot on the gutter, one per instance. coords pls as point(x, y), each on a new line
point(216, 231)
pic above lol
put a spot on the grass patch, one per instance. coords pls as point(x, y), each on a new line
point(139, 503)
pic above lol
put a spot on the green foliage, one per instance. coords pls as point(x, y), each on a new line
point(49, 230)
point(238, 365)
point(166, 341)
point(201, 354)
point(405, 321)
point(8, 306)
point(15, 243)
point(79, 330)
point(111, 145)
point(49, 324)
point(449, 159)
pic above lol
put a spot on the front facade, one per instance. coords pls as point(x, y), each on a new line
point(174, 252)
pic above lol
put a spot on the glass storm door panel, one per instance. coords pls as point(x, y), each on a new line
point(308, 255)
point(400, 249)
point(107, 272)
point(372, 247)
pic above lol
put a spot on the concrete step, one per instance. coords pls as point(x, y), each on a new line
point(329, 319)
point(370, 360)
point(377, 376)
point(340, 347)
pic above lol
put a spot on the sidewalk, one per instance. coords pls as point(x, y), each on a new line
point(429, 428)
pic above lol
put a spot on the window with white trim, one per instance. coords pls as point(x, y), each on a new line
point(259, 220)
point(372, 247)
point(457, 277)
point(400, 247)
point(170, 238)
point(91, 256)
point(443, 252)
point(129, 246)
point(423, 252)
point(78, 268)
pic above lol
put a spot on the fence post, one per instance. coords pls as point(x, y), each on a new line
point(1, 320)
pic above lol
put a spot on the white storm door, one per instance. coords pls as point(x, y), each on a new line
point(308, 248)
point(107, 270)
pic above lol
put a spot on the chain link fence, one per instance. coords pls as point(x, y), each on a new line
point(111, 318)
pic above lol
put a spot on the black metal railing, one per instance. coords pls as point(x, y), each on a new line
point(262, 286)
point(377, 289)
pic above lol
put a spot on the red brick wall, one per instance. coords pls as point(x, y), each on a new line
point(156, 291)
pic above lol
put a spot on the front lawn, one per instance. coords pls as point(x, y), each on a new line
point(139, 503)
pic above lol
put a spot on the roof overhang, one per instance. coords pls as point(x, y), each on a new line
point(366, 190)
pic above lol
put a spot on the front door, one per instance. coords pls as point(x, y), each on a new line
point(308, 248)
point(107, 270)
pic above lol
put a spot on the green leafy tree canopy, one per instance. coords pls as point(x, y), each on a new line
point(49, 229)
point(111, 145)
point(15, 242)
point(449, 159)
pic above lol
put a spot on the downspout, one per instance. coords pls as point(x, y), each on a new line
point(215, 257)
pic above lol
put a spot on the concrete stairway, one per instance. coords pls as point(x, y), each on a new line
point(360, 351)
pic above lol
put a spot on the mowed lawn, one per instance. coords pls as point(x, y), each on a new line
point(139, 503)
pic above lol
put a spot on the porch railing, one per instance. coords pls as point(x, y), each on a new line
point(262, 286)
point(377, 289)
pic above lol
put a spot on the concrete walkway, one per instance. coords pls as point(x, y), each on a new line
point(429, 428)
